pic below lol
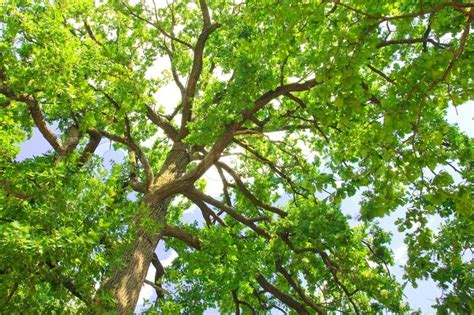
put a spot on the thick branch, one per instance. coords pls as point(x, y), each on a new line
point(279, 91)
point(94, 140)
point(72, 140)
point(236, 302)
point(182, 235)
point(285, 298)
point(161, 122)
point(73, 134)
point(205, 13)
point(37, 116)
point(160, 272)
point(194, 76)
point(189, 178)
point(41, 124)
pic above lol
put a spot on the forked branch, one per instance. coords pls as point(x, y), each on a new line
point(196, 194)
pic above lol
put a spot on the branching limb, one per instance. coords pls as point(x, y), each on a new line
point(141, 156)
point(207, 212)
point(209, 159)
point(248, 194)
point(90, 33)
point(236, 302)
point(285, 298)
point(134, 148)
point(160, 272)
point(225, 185)
point(158, 289)
point(72, 139)
point(297, 288)
point(458, 51)
point(135, 183)
point(279, 91)
point(456, 5)
point(155, 25)
point(129, 141)
point(195, 194)
point(67, 283)
point(315, 123)
point(410, 41)
point(37, 116)
point(187, 180)
point(205, 13)
point(196, 70)
point(270, 164)
point(174, 72)
point(383, 75)
point(94, 141)
point(331, 266)
point(367, 244)
point(427, 33)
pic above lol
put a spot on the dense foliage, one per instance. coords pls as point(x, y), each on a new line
point(296, 105)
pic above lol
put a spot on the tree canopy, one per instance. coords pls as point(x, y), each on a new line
point(297, 105)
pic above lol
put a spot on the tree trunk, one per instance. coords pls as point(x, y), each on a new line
point(127, 280)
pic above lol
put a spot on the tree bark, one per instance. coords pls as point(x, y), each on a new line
point(127, 279)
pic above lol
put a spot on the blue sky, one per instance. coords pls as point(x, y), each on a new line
point(422, 297)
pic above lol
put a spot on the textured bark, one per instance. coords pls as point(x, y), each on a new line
point(127, 280)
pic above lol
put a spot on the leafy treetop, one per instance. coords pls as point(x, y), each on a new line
point(297, 105)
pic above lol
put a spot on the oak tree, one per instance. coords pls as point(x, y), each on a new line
point(297, 105)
